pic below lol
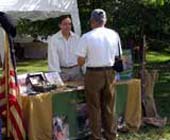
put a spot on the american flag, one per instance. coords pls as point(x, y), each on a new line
point(10, 101)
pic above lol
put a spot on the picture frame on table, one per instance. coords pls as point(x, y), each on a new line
point(54, 78)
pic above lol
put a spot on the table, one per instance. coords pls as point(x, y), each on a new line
point(41, 111)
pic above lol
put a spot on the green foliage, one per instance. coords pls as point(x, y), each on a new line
point(133, 19)
point(40, 27)
point(154, 2)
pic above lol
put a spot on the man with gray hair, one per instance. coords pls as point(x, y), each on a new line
point(98, 49)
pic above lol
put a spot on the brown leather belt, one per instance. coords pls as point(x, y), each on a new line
point(100, 68)
point(69, 67)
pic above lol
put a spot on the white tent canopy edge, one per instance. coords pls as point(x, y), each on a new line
point(42, 9)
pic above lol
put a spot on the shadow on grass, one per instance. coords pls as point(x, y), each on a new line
point(162, 104)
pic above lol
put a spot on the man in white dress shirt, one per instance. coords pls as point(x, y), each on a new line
point(98, 49)
point(61, 50)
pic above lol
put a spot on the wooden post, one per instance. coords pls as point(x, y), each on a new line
point(143, 65)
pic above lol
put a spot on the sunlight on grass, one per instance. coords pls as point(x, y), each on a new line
point(157, 57)
point(32, 66)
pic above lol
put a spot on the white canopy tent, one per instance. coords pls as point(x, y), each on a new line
point(42, 9)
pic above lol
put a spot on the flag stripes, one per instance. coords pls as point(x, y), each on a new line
point(10, 102)
point(15, 124)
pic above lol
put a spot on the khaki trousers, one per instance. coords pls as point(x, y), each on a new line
point(100, 97)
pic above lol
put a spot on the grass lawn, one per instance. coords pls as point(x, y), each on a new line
point(29, 66)
point(155, 60)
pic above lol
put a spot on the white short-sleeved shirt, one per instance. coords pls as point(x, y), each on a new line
point(99, 47)
point(61, 52)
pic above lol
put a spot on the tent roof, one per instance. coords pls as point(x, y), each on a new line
point(42, 9)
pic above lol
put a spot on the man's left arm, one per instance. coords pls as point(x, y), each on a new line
point(81, 51)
